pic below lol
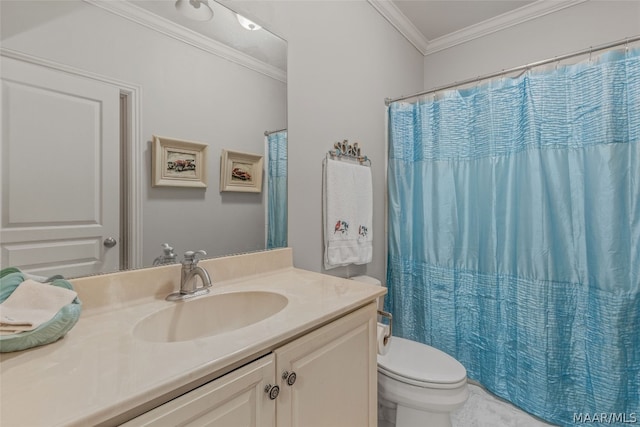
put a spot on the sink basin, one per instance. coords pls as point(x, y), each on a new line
point(208, 316)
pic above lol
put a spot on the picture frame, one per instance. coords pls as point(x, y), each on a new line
point(240, 171)
point(178, 163)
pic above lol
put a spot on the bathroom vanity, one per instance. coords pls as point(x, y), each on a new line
point(280, 347)
point(322, 378)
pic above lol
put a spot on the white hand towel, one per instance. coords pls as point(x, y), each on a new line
point(348, 213)
point(32, 304)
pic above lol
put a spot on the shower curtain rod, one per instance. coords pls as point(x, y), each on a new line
point(628, 40)
point(269, 132)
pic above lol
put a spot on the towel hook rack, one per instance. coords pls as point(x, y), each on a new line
point(349, 151)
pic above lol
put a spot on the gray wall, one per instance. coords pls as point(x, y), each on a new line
point(573, 29)
point(187, 94)
point(343, 60)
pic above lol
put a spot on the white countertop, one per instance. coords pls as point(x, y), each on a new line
point(100, 370)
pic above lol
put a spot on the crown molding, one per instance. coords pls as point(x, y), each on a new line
point(427, 47)
point(518, 16)
point(400, 22)
point(164, 26)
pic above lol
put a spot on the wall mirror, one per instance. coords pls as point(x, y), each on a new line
point(86, 86)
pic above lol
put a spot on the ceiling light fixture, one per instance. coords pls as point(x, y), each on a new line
point(249, 25)
point(198, 10)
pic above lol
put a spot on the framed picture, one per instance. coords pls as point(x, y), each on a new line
point(178, 163)
point(240, 172)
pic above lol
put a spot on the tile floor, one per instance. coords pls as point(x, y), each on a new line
point(483, 409)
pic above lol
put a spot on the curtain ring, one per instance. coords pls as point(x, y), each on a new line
point(523, 72)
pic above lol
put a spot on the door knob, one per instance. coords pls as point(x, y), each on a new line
point(109, 242)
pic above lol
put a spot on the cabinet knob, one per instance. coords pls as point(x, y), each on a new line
point(272, 390)
point(289, 377)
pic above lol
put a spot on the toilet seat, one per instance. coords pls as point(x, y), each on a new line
point(421, 365)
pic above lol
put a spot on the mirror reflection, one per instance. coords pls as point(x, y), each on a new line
point(86, 86)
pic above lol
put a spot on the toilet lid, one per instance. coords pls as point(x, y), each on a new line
point(420, 362)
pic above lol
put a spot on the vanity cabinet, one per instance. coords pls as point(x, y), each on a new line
point(327, 377)
point(335, 370)
point(236, 399)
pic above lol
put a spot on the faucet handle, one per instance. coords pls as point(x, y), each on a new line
point(190, 257)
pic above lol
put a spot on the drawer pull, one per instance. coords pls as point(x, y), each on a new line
point(289, 377)
point(272, 390)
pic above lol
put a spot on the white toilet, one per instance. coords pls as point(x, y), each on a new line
point(418, 385)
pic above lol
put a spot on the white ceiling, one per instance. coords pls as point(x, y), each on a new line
point(433, 25)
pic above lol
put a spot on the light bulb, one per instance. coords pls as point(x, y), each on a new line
point(198, 10)
point(249, 25)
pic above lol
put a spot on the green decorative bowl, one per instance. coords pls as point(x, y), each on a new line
point(49, 331)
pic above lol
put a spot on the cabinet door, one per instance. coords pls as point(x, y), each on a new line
point(336, 375)
point(237, 399)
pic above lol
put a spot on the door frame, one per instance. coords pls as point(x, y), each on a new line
point(132, 135)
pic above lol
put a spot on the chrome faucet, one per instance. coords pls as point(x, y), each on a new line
point(189, 278)
point(167, 257)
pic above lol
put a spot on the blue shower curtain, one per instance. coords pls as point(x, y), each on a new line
point(277, 188)
point(514, 235)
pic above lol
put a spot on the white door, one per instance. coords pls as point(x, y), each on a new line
point(59, 172)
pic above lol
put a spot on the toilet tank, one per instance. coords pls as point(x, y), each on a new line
point(371, 281)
